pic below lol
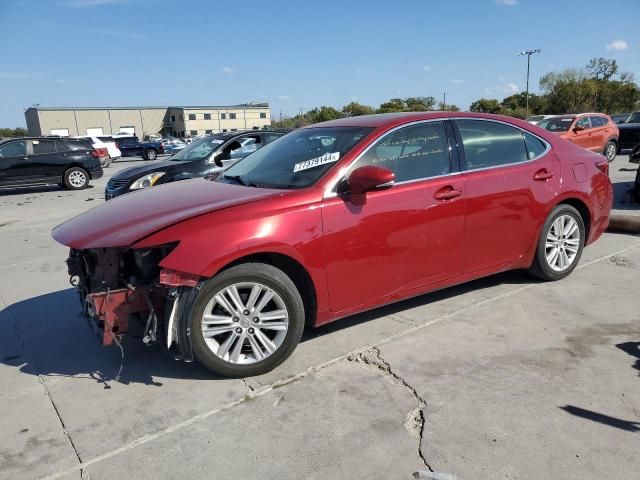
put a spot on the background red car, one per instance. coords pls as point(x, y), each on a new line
point(330, 220)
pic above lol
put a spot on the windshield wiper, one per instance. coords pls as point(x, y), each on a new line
point(239, 180)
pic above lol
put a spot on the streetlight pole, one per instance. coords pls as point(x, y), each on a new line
point(528, 53)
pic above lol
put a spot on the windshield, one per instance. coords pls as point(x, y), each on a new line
point(634, 118)
point(198, 150)
point(557, 124)
point(297, 159)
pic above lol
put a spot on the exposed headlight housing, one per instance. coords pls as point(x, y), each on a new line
point(146, 181)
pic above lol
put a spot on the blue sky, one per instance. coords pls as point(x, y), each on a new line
point(293, 53)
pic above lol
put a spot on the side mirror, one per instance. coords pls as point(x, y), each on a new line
point(578, 128)
point(368, 178)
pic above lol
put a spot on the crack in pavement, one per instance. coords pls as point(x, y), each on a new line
point(417, 415)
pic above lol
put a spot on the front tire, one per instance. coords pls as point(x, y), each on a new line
point(610, 151)
point(76, 178)
point(560, 245)
point(246, 320)
point(150, 154)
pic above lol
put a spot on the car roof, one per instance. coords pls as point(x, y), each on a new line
point(389, 120)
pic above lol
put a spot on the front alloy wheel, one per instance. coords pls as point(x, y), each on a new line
point(245, 323)
point(246, 320)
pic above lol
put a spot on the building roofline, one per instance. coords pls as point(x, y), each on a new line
point(246, 106)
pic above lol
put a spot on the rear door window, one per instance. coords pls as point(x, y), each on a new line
point(598, 122)
point(491, 144)
point(42, 147)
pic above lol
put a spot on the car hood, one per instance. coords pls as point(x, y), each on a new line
point(629, 126)
point(133, 173)
point(124, 220)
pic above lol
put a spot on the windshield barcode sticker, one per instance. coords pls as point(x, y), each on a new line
point(314, 162)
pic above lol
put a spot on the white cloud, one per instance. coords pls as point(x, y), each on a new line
point(511, 88)
point(92, 3)
point(508, 3)
point(283, 97)
point(228, 70)
point(426, 68)
point(456, 80)
point(617, 45)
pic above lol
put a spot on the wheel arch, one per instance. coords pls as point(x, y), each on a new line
point(295, 270)
point(583, 209)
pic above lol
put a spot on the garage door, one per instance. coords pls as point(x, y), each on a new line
point(95, 132)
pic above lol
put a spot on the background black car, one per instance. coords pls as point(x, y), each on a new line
point(629, 132)
point(202, 157)
point(42, 161)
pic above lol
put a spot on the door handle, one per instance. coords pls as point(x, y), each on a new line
point(542, 175)
point(447, 193)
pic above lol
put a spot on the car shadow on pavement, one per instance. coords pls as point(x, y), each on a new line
point(51, 338)
point(514, 277)
point(627, 425)
point(633, 349)
point(47, 336)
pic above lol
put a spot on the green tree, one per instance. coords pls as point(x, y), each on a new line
point(355, 109)
point(485, 106)
point(13, 132)
point(323, 114)
point(448, 107)
point(410, 104)
point(602, 68)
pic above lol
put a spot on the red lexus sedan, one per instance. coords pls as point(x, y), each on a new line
point(331, 220)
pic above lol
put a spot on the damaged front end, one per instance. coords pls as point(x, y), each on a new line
point(121, 285)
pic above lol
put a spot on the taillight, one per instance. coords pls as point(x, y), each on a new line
point(100, 152)
point(603, 166)
point(161, 145)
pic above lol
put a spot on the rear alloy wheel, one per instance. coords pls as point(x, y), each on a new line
point(106, 162)
point(246, 320)
point(560, 245)
point(76, 178)
point(150, 154)
point(610, 151)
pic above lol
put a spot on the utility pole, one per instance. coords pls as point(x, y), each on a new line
point(528, 53)
point(444, 100)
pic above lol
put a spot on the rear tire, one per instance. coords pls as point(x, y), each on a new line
point(76, 178)
point(610, 151)
point(106, 162)
point(150, 154)
point(560, 245)
point(267, 332)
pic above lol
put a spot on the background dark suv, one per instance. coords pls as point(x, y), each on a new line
point(43, 161)
point(204, 156)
